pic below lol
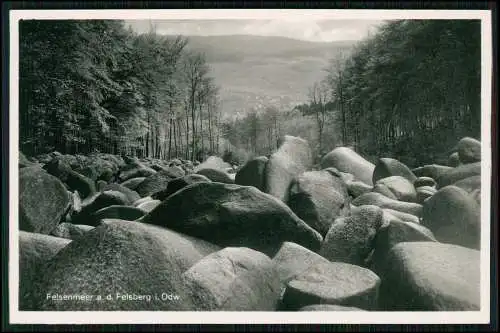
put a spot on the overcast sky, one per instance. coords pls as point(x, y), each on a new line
point(307, 29)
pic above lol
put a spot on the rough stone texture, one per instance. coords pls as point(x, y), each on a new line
point(329, 307)
point(71, 231)
point(469, 150)
point(469, 184)
point(424, 181)
point(377, 199)
point(454, 160)
point(454, 217)
point(212, 162)
point(384, 190)
point(148, 206)
point(433, 171)
point(216, 175)
point(74, 180)
point(35, 250)
point(393, 233)
point(155, 183)
point(252, 173)
point(350, 239)
point(135, 170)
point(456, 174)
point(141, 201)
point(24, 162)
point(120, 257)
point(357, 188)
point(126, 213)
point(43, 200)
point(431, 276)
point(476, 195)
point(131, 195)
point(132, 183)
point(402, 216)
point(178, 184)
point(293, 259)
point(401, 188)
point(424, 193)
point(333, 283)
point(234, 279)
point(102, 200)
point(177, 171)
point(387, 167)
point(292, 158)
point(318, 198)
point(347, 160)
point(233, 215)
point(101, 185)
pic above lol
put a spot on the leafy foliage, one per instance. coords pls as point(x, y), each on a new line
point(93, 85)
point(412, 90)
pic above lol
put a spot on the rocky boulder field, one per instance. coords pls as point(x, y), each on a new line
point(104, 232)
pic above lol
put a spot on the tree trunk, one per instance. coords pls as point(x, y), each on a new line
point(201, 128)
point(193, 127)
point(170, 138)
point(176, 124)
point(187, 133)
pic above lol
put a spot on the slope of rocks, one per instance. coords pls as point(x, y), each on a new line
point(104, 232)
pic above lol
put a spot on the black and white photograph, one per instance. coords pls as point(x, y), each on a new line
point(264, 166)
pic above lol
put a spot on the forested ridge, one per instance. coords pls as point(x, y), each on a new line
point(408, 91)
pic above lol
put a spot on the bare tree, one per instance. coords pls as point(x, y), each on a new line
point(195, 69)
point(335, 79)
point(318, 99)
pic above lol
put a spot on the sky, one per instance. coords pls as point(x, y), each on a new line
point(315, 30)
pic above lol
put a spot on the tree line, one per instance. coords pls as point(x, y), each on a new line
point(94, 85)
point(410, 91)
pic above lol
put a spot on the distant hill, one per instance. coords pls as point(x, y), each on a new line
point(253, 70)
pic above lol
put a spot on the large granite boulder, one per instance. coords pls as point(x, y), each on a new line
point(333, 283)
point(433, 171)
point(430, 276)
point(132, 183)
point(234, 279)
point(100, 201)
point(35, 250)
point(393, 233)
point(398, 187)
point(43, 200)
point(388, 167)
point(233, 215)
point(252, 173)
point(469, 150)
point(131, 195)
point(70, 230)
point(74, 181)
point(155, 183)
point(132, 266)
point(454, 217)
point(135, 169)
point(461, 172)
point(292, 159)
point(293, 259)
point(318, 198)
point(350, 239)
point(377, 199)
point(178, 184)
point(347, 160)
point(216, 175)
